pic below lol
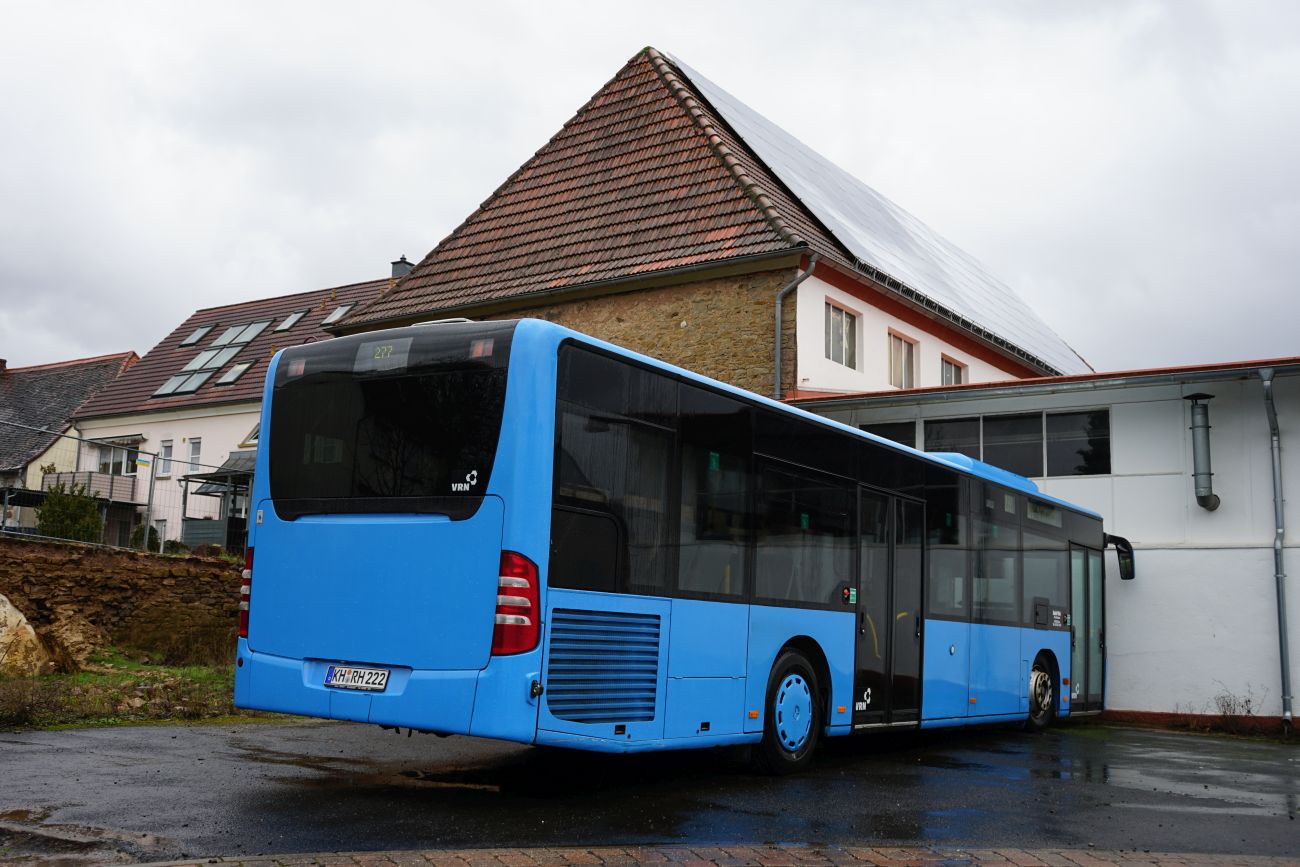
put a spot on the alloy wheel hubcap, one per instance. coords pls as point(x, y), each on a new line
point(793, 712)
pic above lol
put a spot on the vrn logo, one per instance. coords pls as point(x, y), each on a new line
point(470, 481)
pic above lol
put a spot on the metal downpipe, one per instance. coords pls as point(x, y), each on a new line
point(780, 296)
point(1279, 572)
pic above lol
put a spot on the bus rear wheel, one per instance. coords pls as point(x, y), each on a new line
point(793, 720)
point(1042, 696)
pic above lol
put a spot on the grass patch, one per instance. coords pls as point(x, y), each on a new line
point(121, 687)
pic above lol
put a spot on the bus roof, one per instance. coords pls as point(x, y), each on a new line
point(958, 462)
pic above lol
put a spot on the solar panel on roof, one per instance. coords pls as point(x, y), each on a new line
point(887, 238)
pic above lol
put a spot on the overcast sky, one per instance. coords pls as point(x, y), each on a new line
point(1132, 169)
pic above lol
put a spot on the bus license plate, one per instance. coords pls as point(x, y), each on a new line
point(347, 677)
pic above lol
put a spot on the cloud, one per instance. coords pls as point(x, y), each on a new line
point(1129, 168)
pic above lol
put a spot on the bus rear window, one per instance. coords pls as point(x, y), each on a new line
point(395, 422)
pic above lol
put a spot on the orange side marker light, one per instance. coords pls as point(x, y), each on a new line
point(753, 714)
point(840, 709)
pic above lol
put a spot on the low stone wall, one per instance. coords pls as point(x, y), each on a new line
point(80, 596)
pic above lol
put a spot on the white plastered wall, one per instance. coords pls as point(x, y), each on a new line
point(816, 372)
point(220, 430)
point(1199, 624)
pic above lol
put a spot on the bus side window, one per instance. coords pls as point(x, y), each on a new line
point(1046, 565)
point(949, 544)
point(584, 550)
point(713, 550)
point(806, 537)
point(617, 466)
point(995, 593)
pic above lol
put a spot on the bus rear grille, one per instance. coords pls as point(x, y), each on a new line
point(603, 666)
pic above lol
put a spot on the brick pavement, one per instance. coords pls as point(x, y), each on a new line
point(751, 856)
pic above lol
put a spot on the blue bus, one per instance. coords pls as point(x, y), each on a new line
point(512, 530)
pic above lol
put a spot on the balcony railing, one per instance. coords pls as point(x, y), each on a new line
point(117, 489)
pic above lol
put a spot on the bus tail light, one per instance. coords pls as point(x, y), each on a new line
point(518, 616)
point(245, 593)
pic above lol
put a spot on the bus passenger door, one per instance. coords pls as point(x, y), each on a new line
point(888, 644)
point(1086, 667)
point(909, 571)
point(871, 683)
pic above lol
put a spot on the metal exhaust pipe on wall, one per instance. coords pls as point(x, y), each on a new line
point(1201, 475)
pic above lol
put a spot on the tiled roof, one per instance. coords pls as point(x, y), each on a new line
point(134, 392)
point(891, 245)
point(46, 396)
point(639, 180)
point(662, 168)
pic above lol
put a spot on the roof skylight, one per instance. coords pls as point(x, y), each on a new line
point(291, 320)
point(238, 335)
point(339, 313)
point(197, 335)
point(234, 373)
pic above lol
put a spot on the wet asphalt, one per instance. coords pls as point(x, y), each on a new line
point(156, 793)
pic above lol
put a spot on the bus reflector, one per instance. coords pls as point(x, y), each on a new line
point(517, 627)
point(245, 592)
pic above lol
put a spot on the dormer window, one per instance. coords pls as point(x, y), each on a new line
point(339, 313)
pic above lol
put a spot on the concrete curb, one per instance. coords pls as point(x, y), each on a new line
point(747, 856)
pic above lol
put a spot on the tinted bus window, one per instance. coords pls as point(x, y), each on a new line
point(613, 460)
point(805, 538)
point(797, 441)
point(995, 596)
point(948, 535)
point(619, 467)
point(715, 506)
point(379, 423)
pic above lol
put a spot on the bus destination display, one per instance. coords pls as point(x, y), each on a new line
point(378, 355)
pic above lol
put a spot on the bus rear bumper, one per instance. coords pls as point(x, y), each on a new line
point(437, 701)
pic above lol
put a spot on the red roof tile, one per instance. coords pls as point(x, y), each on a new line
point(133, 391)
point(643, 178)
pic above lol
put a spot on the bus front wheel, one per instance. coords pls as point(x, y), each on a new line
point(1042, 696)
point(793, 720)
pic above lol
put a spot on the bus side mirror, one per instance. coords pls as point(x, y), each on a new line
point(1124, 552)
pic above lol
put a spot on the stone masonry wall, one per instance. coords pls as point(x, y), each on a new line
point(721, 327)
point(176, 605)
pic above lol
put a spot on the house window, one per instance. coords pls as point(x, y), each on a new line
point(1078, 443)
point(251, 439)
point(902, 361)
point(117, 461)
point(291, 320)
point(1015, 443)
point(196, 448)
point(903, 432)
point(954, 372)
point(841, 336)
point(1031, 444)
point(960, 435)
point(165, 458)
point(339, 313)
